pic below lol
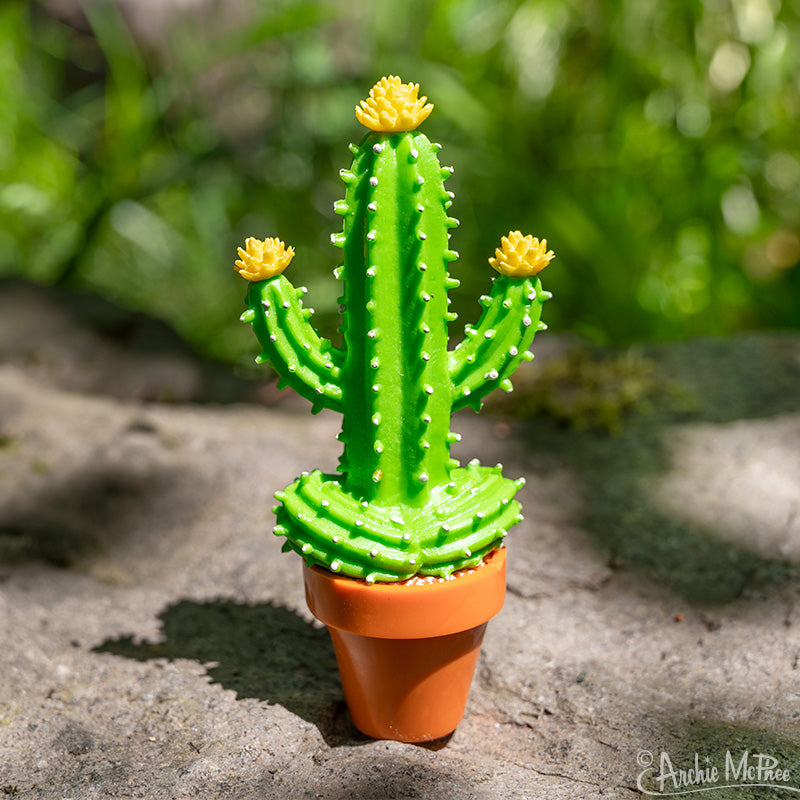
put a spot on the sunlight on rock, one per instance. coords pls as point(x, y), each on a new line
point(739, 481)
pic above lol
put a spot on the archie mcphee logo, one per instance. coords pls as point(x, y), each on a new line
point(662, 777)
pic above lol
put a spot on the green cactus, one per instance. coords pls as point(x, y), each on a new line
point(400, 504)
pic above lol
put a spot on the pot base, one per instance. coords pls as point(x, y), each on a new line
point(409, 690)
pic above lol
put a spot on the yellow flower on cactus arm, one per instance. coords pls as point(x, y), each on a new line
point(263, 259)
point(393, 107)
point(521, 256)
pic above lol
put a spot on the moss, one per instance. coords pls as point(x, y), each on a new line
point(583, 390)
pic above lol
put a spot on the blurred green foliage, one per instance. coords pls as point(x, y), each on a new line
point(653, 144)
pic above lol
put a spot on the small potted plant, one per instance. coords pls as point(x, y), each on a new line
point(403, 547)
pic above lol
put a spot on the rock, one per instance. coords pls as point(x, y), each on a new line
point(156, 641)
point(80, 342)
point(74, 739)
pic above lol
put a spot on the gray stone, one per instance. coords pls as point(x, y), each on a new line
point(156, 643)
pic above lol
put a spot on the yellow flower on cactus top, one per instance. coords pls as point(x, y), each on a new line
point(393, 106)
point(263, 259)
point(521, 256)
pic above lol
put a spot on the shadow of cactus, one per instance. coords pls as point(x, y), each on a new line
point(263, 651)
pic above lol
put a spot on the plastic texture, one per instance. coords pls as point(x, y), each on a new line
point(407, 652)
point(400, 505)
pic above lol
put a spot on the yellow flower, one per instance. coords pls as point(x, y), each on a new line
point(262, 260)
point(393, 106)
point(521, 256)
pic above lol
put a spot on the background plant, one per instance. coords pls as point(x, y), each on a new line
point(653, 144)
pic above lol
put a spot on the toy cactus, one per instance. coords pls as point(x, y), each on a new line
point(399, 506)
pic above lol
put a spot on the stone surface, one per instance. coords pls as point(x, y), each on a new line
point(156, 643)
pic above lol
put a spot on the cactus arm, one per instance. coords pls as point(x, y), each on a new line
point(490, 352)
point(304, 360)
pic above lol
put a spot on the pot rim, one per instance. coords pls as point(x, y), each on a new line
point(409, 609)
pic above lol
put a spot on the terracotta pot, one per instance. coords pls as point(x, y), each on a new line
point(407, 651)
